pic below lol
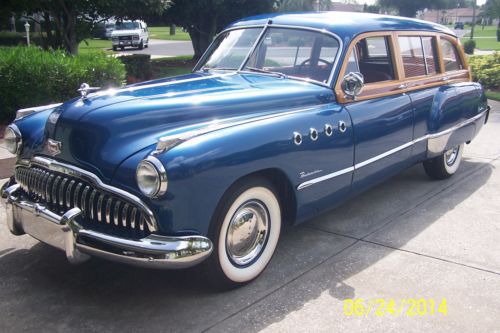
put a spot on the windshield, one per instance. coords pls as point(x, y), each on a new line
point(284, 51)
point(231, 49)
point(127, 26)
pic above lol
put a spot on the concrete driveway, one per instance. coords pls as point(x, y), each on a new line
point(409, 237)
point(162, 48)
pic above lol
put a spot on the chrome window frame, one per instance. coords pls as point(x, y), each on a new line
point(264, 28)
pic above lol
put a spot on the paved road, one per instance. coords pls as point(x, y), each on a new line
point(409, 237)
point(163, 48)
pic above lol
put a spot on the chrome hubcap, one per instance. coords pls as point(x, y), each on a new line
point(247, 233)
point(451, 156)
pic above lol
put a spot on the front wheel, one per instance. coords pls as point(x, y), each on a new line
point(445, 165)
point(245, 231)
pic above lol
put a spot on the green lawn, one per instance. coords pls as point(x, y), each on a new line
point(487, 40)
point(164, 33)
point(88, 45)
point(492, 94)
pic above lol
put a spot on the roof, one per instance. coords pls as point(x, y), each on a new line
point(345, 24)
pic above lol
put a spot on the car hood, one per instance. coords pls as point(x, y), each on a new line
point(102, 130)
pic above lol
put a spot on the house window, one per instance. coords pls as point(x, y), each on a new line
point(450, 56)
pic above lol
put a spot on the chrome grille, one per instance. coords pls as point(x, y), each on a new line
point(61, 192)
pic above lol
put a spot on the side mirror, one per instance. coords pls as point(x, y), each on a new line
point(352, 84)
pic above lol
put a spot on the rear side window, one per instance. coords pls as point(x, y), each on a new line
point(418, 54)
point(374, 59)
point(413, 56)
point(450, 56)
point(430, 54)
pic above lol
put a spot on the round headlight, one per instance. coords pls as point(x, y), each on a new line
point(151, 177)
point(13, 139)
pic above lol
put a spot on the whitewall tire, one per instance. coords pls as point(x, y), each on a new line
point(445, 165)
point(245, 233)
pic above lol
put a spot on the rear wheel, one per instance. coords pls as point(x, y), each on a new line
point(445, 165)
point(245, 231)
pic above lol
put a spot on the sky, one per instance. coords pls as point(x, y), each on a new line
point(371, 2)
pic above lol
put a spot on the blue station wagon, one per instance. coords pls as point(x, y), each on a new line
point(284, 117)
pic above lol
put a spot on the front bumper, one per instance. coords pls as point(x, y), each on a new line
point(65, 233)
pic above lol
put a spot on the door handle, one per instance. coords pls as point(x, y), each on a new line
point(403, 86)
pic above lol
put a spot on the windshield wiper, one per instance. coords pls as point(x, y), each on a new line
point(260, 70)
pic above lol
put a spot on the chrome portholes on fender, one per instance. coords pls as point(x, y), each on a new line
point(297, 138)
point(313, 134)
point(342, 126)
point(328, 130)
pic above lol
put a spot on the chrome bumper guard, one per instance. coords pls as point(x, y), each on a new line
point(65, 233)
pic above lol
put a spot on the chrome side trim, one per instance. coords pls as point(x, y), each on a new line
point(390, 152)
point(80, 173)
point(170, 141)
point(381, 156)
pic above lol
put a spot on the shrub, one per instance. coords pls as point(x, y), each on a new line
point(486, 70)
point(138, 67)
point(30, 76)
point(469, 46)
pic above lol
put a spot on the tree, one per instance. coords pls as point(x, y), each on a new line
point(303, 5)
point(409, 8)
point(492, 10)
point(204, 18)
point(74, 19)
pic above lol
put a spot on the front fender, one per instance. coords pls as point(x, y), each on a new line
point(201, 169)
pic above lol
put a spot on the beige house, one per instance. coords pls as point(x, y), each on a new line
point(448, 16)
point(345, 7)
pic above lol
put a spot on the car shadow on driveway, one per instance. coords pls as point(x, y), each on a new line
point(41, 289)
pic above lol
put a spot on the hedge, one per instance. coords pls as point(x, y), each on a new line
point(486, 70)
point(30, 76)
point(138, 67)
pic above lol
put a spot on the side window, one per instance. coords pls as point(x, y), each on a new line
point(450, 56)
point(430, 54)
point(413, 56)
point(352, 63)
point(374, 59)
point(418, 54)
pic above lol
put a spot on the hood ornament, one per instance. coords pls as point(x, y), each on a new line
point(85, 89)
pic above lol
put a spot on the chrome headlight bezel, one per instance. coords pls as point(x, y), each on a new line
point(13, 139)
point(153, 169)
